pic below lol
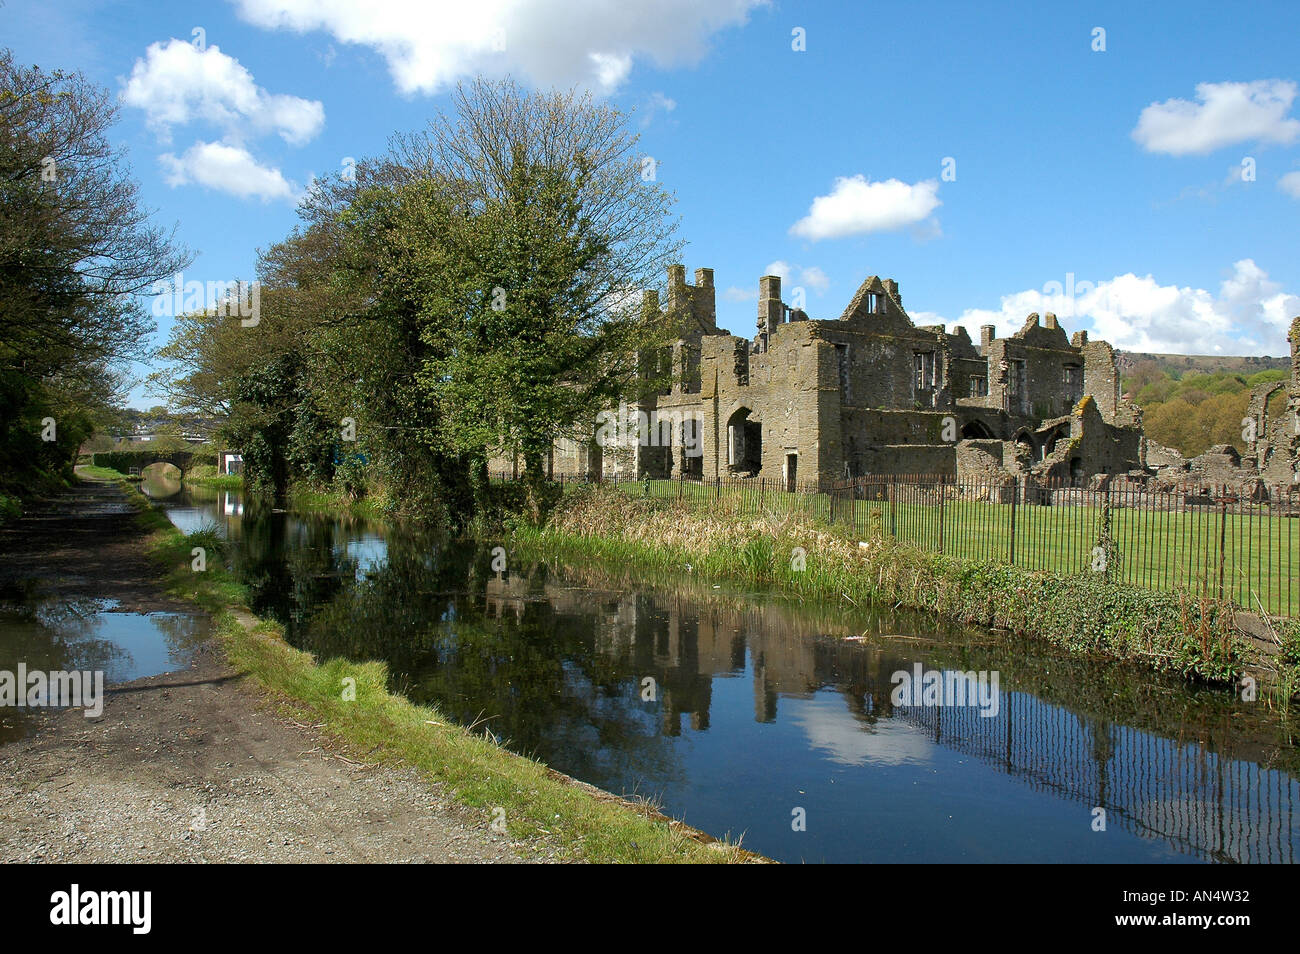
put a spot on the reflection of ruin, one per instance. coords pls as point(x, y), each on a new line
point(1202, 802)
point(1216, 808)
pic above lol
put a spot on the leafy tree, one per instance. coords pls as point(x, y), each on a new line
point(76, 252)
point(536, 229)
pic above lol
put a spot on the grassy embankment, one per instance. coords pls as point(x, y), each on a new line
point(1155, 549)
point(92, 472)
point(541, 806)
point(1174, 632)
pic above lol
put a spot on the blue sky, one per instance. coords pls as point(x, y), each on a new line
point(1122, 167)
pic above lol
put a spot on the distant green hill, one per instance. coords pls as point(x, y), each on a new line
point(1192, 402)
point(1176, 365)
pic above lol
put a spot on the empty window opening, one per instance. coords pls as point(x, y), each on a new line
point(1072, 381)
point(924, 367)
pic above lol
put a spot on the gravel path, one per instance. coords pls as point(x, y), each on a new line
point(193, 765)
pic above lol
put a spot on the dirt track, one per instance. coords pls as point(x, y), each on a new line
point(192, 765)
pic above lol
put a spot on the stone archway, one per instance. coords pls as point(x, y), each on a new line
point(137, 460)
point(744, 443)
point(1257, 410)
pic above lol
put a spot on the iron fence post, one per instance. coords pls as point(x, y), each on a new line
point(1015, 499)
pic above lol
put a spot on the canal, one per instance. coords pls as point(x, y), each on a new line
point(749, 715)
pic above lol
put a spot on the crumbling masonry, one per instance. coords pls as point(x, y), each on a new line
point(1272, 442)
point(867, 393)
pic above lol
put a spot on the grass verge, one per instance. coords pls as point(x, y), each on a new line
point(542, 808)
point(221, 481)
point(92, 472)
point(796, 554)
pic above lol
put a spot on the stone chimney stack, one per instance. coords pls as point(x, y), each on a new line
point(987, 334)
point(770, 309)
point(703, 301)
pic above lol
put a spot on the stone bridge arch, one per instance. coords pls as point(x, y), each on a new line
point(127, 461)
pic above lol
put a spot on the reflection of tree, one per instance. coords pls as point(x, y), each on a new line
point(550, 693)
point(539, 679)
point(182, 631)
point(289, 565)
point(57, 635)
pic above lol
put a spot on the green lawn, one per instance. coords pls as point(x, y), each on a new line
point(1151, 548)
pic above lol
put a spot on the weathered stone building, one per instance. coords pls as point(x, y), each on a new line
point(866, 393)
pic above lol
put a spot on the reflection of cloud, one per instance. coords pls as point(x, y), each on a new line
point(369, 552)
point(831, 729)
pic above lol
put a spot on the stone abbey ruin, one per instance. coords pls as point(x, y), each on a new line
point(821, 402)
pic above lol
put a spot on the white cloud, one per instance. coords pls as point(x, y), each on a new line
point(815, 278)
point(655, 104)
point(429, 46)
point(1290, 184)
point(229, 169)
point(177, 83)
point(1250, 314)
point(1224, 114)
point(856, 206)
point(659, 101)
point(736, 293)
point(810, 276)
point(780, 268)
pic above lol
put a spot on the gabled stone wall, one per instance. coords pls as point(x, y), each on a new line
point(868, 392)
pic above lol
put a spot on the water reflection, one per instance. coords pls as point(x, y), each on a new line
point(54, 635)
point(737, 710)
point(160, 481)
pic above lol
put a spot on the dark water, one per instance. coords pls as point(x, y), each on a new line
point(761, 712)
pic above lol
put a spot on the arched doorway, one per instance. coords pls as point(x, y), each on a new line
point(744, 443)
point(1054, 436)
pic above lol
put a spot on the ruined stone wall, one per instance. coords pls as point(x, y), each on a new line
point(979, 461)
point(911, 459)
point(791, 390)
point(1093, 446)
point(1027, 372)
point(1101, 378)
point(1275, 452)
point(692, 306)
point(825, 399)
